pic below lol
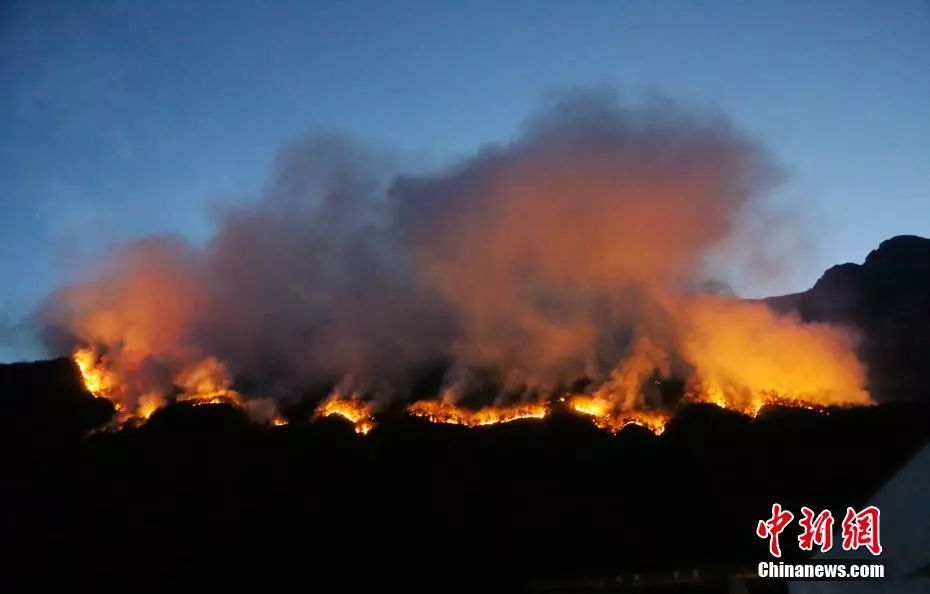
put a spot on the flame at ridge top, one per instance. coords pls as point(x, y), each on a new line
point(604, 415)
point(437, 411)
point(206, 382)
point(203, 382)
point(752, 403)
point(357, 412)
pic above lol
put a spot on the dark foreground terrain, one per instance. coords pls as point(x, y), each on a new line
point(200, 497)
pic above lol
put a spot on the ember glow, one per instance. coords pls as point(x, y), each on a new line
point(437, 411)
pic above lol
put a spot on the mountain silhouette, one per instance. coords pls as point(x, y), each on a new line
point(886, 300)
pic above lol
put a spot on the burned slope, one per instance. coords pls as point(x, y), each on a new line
point(200, 495)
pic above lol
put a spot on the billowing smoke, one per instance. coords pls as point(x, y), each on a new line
point(572, 252)
point(550, 250)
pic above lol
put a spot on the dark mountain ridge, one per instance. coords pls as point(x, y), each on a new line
point(887, 300)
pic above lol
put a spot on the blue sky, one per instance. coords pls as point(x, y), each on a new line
point(124, 118)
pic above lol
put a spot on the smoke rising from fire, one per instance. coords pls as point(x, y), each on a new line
point(571, 252)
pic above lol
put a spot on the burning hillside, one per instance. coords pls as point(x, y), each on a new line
point(571, 256)
point(355, 411)
point(438, 411)
point(506, 503)
point(598, 406)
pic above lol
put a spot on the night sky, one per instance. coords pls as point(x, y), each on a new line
point(121, 119)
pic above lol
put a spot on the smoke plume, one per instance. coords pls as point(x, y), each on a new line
point(573, 251)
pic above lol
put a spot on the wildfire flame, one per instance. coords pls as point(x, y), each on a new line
point(604, 415)
point(355, 411)
point(207, 382)
point(573, 251)
point(202, 383)
point(99, 381)
point(796, 365)
point(437, 411)
point(752, 404)
point(148, 404)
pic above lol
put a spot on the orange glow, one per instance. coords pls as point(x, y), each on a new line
point(98, 379)
point(559, 257)
point(206, 382)
point(201, 383)
point(355, 411)
point(604, 415)
point(745, 357)
point(739, 356)
point(755, 402)
point(148, 404)
point(437, 411)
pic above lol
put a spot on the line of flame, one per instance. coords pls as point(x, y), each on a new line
point(437, 411)
point(101, 382)
point(357, 412)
